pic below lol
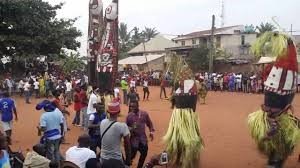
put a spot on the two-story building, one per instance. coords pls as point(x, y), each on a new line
point(231, 39)
point(150, 55)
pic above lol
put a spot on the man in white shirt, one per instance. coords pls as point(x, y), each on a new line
point(36, 88)
point(21, 87)
point(93, 100)
point(27, 87)
point(80, 154)
point(146, 89)
point(69, 91)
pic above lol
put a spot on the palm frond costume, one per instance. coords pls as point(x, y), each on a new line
point(274, 127)
point(183, 140)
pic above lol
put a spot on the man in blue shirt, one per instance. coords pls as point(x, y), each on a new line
point(51, 123)
point(7, 108)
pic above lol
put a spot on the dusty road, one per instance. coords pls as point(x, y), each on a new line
point(222, 123)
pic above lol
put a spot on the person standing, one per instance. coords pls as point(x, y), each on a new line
point(27, 88)
point(21, 87)
point(146, 88)
point(52, 125)
point(112, 133)
point(94, 126)
point(36, 88)
point(9, 84)
point(137, 120)
point(124, 87)
point(163, 86)
point(77, 107)
point(7, 108)
point(84, 103)
point(132, 96)
point(81, 153)
point(69, 91)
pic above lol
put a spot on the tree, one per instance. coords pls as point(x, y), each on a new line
point(249, 29)
point(124, 35)
point(264, 27)
point(198, 58)
point(125, 40)
point(71, 62)
point(136, 38)
point(149, 33)
point(29, 28)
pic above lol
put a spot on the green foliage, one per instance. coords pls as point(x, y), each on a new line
point(130, 39)
point(249, 29)
point(265, 27)
point(273, 44)
point(149, 33)
point(136, 38)
point(198, 58)
point(72, 62)
point(32, 29)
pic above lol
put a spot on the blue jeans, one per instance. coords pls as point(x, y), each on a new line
point(52, 150)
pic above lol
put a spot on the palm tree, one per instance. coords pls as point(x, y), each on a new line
point(136, 38)
point(264, 27)
point(149, 33)
point(124, 35)
point(73, 62)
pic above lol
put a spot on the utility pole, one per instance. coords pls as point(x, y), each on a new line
point(212, 47)
point(144, 39)
point(291, 29)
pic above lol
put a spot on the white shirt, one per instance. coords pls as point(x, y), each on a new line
point(79, 156)
point(69, 86)
point(26, 86)
point(145, 84)
point(36, 85)
point(116, 92)
point(93, 100)
point(132, 83)
point(21, 84)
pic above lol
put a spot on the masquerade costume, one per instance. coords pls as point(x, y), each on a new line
point(274, 127)
point(183, 140)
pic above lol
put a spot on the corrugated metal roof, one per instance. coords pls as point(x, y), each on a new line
point(138, 60)
point(158, 43)
point(223, 30)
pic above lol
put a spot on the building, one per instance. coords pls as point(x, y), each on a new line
point(150, 55)
point(231, 39)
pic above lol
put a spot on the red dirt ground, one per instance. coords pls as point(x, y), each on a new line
point(223, 127)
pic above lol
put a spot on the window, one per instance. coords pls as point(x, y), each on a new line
point(243, 40)
point(203, 41)
point(182, 43)
point(193, 41)
point(218, 44)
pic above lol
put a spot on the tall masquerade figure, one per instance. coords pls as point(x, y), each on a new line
point(107, 60)
point(274, 127)
point(94, 36)
point(183, 140)
point(103, 44)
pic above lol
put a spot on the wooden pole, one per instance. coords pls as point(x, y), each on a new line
point(212, 47)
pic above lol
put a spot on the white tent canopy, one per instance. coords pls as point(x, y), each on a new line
point(139, 60)
point(266, 60)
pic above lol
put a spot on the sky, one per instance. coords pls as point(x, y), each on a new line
point(176, 17)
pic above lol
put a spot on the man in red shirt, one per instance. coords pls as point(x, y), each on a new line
point(77, 107)
point(163, 86)
point(84, 103)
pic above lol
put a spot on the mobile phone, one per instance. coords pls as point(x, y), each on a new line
point(163, 159)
